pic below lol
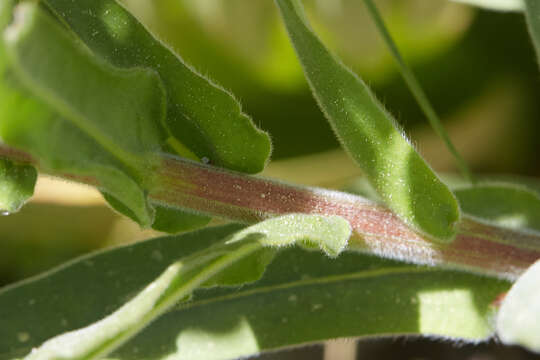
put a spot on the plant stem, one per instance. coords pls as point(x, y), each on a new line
point(196, 187)
point(417, 91)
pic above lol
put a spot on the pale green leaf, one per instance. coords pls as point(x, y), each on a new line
point(329, 233)
point(16, 185)
point(499, 5)
point(370, 135)
point(202, 117)
point(502, 204)
point(303, 297)
point(518, 318)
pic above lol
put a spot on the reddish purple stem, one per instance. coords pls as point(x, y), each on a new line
point(479, 247)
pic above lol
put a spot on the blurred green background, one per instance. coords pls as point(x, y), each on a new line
point(477, 67)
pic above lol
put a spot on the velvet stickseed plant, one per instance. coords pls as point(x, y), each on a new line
point(88, 94)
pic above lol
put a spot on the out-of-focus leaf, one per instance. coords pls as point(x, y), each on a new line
point(369, 133)
point(303, 297)
point(532, 13)
point(499, 5)
point(172, 221)
point(240, 259)
point(16, 185)
point(200, 115)
point(517, 320)
point(503, 204)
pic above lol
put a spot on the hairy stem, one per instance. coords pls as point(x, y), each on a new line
point(196, 187)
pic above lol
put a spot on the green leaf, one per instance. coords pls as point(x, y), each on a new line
point(172, 221)
point(201, 116)
point(235, 261)
point(17, 183)
point(366, 130)
point(503, 204)
point(517, 320)
point(532, 14)
point(303, 297)
point(60, 146)
point(111, 147)
point(416, 89)
point(329, 233)
point(110, 123)
point(499, 5)
point(115, 107)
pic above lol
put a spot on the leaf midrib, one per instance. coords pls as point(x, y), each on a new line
point(307, 282)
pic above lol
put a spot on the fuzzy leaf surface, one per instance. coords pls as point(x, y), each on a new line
point(29, 123)
point(370, 135)
point(115, 107)
point(202, 119)
point(303, 297)
point(108, 128)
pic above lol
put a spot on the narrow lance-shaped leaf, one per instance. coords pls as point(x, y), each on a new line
point(517, 321)
point(17, 183)
point(303, 297)
point(416, 89)
point(202, 118)
point(227, 263)
point(370, 135)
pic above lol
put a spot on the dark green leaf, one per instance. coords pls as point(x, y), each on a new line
point(241, 258)
point(303, 297)
point(532, 13)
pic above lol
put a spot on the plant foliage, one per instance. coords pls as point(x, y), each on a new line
point(89, 94)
